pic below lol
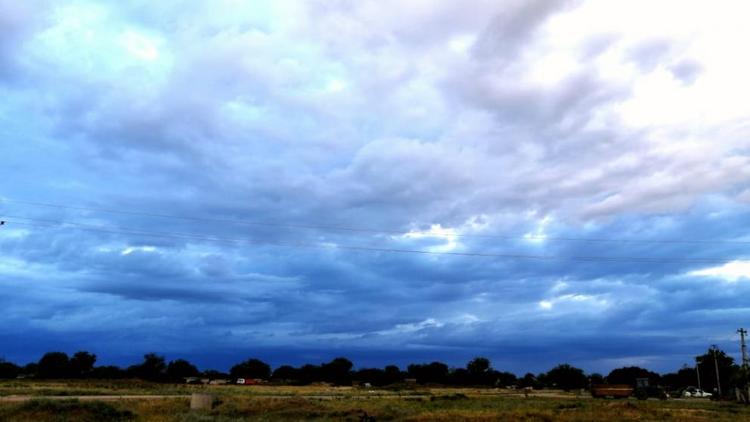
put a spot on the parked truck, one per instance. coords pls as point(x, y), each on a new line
point(641, 391)
point(615, 391)
point(644, 390)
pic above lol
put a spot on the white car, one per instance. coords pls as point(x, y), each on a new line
point(695, 392)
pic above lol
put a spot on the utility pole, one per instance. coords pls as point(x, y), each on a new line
point(698, 372)
point(743, 347)
point(714, 349)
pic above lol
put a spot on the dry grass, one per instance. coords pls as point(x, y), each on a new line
point(89, 387)
point(321, 403)
point(65, 410)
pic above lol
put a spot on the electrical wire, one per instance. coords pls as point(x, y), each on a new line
point(371, 230)
point(40, 223)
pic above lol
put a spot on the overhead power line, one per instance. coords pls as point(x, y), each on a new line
point(372, 230)
point(39, 223)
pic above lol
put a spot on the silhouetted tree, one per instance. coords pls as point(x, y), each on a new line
point(707, 368)
point(153, 368)
point(542, 381)
point(53, 365)
point(374, 376)
point(180, 368)
point(286, 373)
point(82, 363)
point(684, 377)
point(629, 374)
point(595, 379)
point(477, 376)
point(393, 374)
point(528, 380)
point(337, 371)
point(30, 369)
point(504, 379)
point(213, 374)
point(480, 371)
point(8, 370)
point(435, 372)
point(478, 366)
point(251, 368)
point(309, 373)
point(566, 377)
point(459, 376)
point(107, 372)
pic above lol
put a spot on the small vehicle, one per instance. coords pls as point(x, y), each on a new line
point(695, 392)
point(644, 390)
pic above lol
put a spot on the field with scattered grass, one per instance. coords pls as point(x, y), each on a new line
point(140, 401)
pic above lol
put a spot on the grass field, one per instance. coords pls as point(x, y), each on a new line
point(109, 401)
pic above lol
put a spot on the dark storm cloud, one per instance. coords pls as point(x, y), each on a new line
point(447, 128)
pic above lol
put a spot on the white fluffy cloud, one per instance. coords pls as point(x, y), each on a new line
point(731, 271)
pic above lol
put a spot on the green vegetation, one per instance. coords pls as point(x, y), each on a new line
point(76, 387)
point(301, 403)
point(65, 410)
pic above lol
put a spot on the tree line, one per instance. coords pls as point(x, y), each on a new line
point(340, 371)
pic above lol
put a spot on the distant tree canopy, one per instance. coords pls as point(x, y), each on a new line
point(309, 373)
point(213, 374)
point(30, 370)
point(684, 377)
point(180, 368)
point(478, 366)
point(108, 372)
point(375, 376)
point(340, 371)
point(478, 372)
point(707, 364)
point(393, 373)
point(337, 371)
point(251, 368)
point(9, 370)
point(82, 363)
point(629, 375)
point(566, 377)
point(505, 379)
point(286, 373)
point(153, 368)
point(53, 365)
point(529, 380)
point(596, 378)
point(435, 372)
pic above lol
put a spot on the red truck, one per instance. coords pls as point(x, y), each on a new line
point(642, 390)
point(617, 391)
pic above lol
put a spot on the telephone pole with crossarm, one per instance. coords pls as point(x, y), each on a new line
point(743, 347)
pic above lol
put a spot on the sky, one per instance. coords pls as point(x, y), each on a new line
point(537, 182)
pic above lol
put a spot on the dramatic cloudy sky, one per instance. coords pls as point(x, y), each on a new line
point(225, 179)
